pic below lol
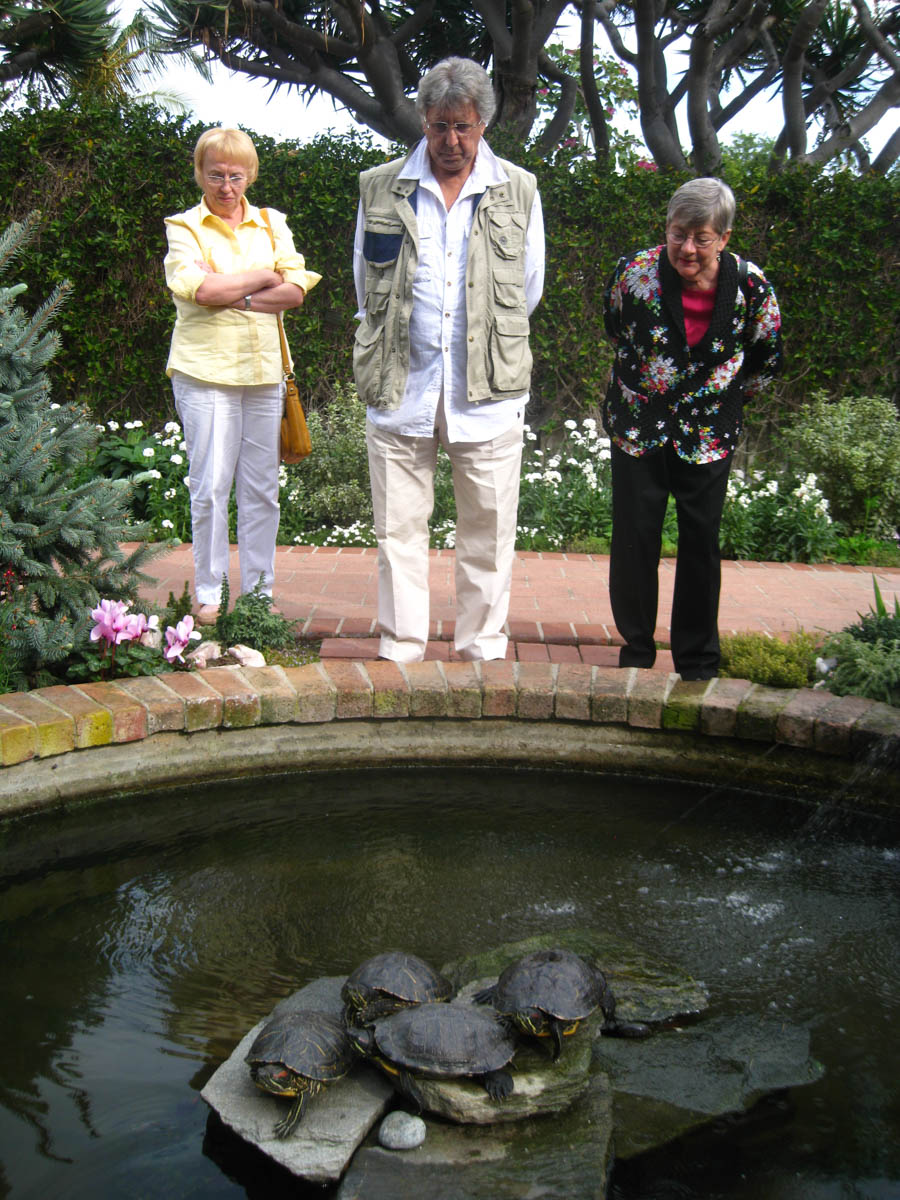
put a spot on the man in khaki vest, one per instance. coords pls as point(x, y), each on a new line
point(449, 264)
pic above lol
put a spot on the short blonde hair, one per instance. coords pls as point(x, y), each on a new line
point(229, 145)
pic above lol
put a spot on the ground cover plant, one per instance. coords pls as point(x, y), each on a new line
point(864, 658)
point(780, 513)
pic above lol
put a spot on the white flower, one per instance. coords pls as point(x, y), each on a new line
point(187, 481)
point(169, 494)
point(176, 459)
point(167, 524)
point(112, 426)
point(148, 452)
point(154, 474)
point(571, 424)
point(171, 427)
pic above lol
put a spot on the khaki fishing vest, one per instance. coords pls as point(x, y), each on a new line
point(498, 364)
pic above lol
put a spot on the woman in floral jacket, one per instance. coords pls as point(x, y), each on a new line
point(696, 331)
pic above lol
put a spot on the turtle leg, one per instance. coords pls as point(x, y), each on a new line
point(289, 1122)
point(486, 995)
point(497, 1084)
point(556, 1032)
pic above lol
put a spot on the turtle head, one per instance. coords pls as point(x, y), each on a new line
point(362, 1039)
point(275, 1078)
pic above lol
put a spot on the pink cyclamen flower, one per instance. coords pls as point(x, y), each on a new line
point(178, 638)
point(111, 619)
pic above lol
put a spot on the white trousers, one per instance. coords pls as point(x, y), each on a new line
point(486, 486)
point(232, 435)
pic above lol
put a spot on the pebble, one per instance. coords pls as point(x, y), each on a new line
point(401, 1131)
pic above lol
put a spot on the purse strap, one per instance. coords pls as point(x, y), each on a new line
point(285, 360)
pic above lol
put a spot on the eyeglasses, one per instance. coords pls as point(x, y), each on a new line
point(701, 240)
point(460, 128)
point(216, 178)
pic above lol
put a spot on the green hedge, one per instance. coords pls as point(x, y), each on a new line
point(104, 179)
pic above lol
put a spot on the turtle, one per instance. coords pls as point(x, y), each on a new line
point(441, 1041)
point(295, 1054)
point(548, 993)
point(388, 982)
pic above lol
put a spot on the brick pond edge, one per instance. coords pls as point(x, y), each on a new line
point(89, 741)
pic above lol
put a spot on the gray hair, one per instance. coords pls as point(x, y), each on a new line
point(700, 201)
point(454, 83)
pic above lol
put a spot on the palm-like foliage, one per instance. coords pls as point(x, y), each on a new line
point(51, 47)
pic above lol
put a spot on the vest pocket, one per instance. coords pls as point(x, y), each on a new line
point(510, 359)
point(507, 233)
point(508, 289)
point(378, 293)
point(368, 355)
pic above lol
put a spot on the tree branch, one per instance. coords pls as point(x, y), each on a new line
point(792, 79)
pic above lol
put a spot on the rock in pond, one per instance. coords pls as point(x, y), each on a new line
point(336, 1121)
point(401, 1131)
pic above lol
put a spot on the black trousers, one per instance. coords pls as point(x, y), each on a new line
point(641, 488)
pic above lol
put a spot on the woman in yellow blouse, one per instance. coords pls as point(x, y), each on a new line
point(231, 269)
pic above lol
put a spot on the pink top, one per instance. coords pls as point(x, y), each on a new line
point(698, 309)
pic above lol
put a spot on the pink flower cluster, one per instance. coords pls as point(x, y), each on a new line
point(179, 637)
point(115, 624)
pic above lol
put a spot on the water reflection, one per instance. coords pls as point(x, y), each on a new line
point(140, 941)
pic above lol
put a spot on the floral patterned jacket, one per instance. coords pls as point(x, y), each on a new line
point(660, 388)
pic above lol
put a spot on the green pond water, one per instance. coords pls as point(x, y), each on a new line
point(140, 940)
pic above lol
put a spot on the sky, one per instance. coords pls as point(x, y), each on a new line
point(235, 99)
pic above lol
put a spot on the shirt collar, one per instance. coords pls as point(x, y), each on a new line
point(251, 214)
point(486, 172)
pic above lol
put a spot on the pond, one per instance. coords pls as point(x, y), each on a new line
point(142, 939)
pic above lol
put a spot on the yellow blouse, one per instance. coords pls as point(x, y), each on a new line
point(227, 345)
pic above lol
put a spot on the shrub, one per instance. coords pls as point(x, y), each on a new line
point(252, 622)
point(852, 444)
point(870, 669)
point(330, 487)
point(60, 539)
point(770, 661)
point(776, 517)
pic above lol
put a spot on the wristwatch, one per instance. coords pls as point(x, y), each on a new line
point(247, 300)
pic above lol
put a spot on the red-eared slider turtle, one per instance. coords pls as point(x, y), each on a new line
point(441, 1041)
point(550, 992)
point(295, 1055)
point(388, 982)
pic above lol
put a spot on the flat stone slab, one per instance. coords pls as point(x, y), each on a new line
point(667, 1085)
point(336, 1121)
point(555, 1159)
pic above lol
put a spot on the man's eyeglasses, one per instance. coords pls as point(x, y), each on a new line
point(460, 128)
point(216, 178)
point(701, 240)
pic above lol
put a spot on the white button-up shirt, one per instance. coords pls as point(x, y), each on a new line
point(437, 331)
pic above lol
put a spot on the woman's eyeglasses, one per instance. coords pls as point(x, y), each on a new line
point(216, 178)
point(701, 240)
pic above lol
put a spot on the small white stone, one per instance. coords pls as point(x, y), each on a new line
point(401, 1131)
point(247, 656)
point(204, 653)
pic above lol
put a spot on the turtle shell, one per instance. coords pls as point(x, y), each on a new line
point(308, 1043)
point(445, 1040)
point(395, 975)
point(557, 982)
